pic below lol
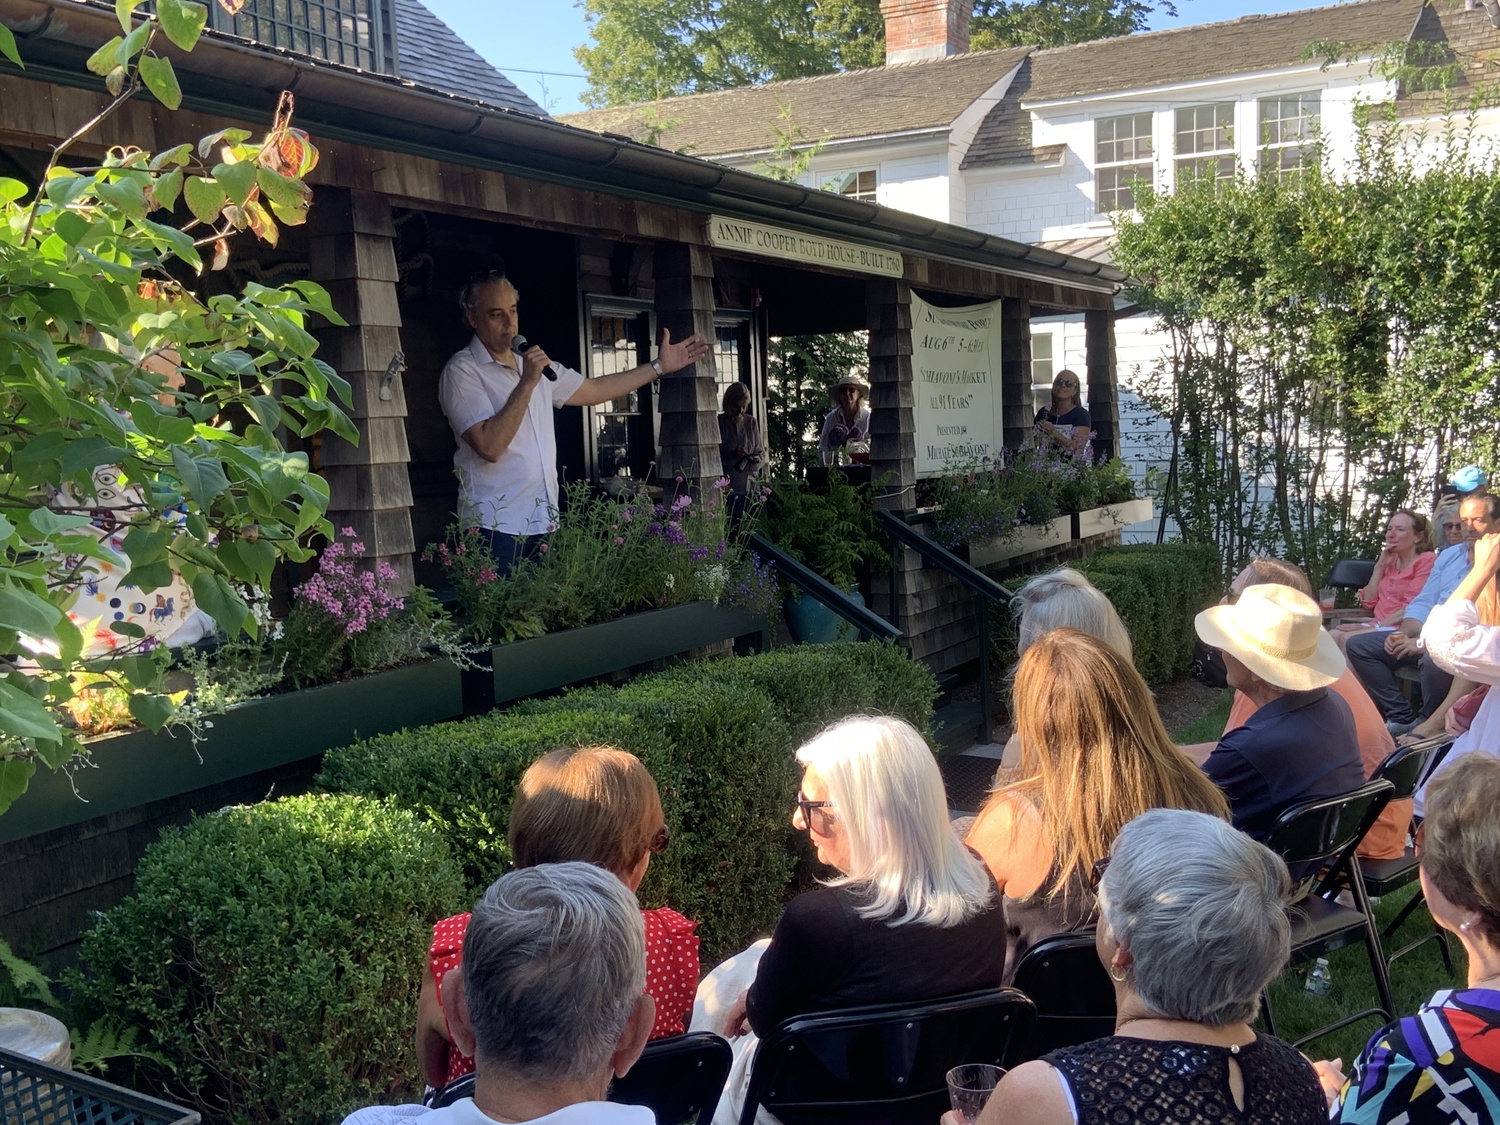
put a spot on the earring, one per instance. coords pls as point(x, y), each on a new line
point(1117, 979)
point(1465, 926)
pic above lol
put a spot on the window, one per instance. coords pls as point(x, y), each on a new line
point(1041, 370)
point(351, 32)
point(622, 431)
point(856, 185)
point(1288, 132)
point(1205, 142)
point(1123, 152)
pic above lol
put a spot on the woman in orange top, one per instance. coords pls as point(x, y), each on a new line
point(1400, 572)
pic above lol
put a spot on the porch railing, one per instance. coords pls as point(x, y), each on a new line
point(811, 583)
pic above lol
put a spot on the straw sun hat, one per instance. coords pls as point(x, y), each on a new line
point(850, 381)
point(1276, 632)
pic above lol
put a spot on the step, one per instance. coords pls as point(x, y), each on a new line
point(955, 727)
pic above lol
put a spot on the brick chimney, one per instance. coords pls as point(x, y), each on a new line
point(925, 29)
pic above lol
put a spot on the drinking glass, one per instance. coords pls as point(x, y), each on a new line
point(970, 1086)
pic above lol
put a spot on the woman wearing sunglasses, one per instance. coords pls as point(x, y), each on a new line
point(595, 805)
point(911, 915)
point(1064, 422)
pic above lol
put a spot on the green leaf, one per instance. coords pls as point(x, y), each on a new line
point(228, 136)
point(182, 246)
point(131, 45)
point(146, 545)
point(8, 49)
point(178, 155)
point(15, 773)
point(44, 521)
point(127, 193)
point(202, 477)
point(87, 454)
point(282, 190)
point(139, 670)
point(161, 80)
point(237, 179)
point(73, 227)
point(197, 526)
point(182, 20)
point(23, 715)
point(28, 613)
point(267, 410)
point(102, 61)
point(168, 189)
point(216, 597)
point(127, 629)
point(152, 711)
point(12, 190)
point(205, 199)
point(152, 576)
point(123, 10)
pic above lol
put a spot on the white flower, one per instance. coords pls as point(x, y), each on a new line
point(671, 581)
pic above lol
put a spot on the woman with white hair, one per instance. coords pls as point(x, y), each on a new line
point(911, 915)
point(1192, 929)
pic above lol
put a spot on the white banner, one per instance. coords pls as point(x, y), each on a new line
point(955, 361)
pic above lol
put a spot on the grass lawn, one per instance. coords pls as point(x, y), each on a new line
point(1414, 978)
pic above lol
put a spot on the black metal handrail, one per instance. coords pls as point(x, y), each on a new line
point(869, 623)
point(987, 589)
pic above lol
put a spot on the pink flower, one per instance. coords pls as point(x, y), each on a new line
point(619, 541)
point(544, 548)
point(722, 483)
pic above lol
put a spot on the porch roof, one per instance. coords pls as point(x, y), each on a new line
point(241, 81)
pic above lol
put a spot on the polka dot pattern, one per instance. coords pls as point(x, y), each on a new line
point(671, 971)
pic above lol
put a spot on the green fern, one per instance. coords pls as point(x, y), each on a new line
point(26, 978)
point(105, 1040)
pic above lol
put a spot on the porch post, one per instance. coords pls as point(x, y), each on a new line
point(1015, 371)
point(688, 445)
point(893, 439)
point(352, 255)
point(1104, 401)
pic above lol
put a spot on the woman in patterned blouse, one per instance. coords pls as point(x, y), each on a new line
point(596, 805)
point(1442, 1065)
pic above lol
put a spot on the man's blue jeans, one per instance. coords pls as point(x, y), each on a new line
point(507, 549)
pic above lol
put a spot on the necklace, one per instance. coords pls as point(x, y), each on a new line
point(1233, 1048)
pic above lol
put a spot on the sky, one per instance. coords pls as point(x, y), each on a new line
point(532, 41)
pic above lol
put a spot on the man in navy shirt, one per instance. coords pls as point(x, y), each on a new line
point(1300, 744)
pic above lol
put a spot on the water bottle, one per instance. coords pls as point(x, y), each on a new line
point(1319, 978)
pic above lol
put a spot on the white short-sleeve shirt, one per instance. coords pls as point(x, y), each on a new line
point(518, 493)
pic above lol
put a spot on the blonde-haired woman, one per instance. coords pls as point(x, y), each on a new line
point(1094, 756)
point(591, 804)
point(912, 914)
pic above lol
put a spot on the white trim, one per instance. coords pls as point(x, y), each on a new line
point(1157, 93)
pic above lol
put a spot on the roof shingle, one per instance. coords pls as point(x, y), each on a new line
point(431, 54)
point(1456, 36)
point(905, 97)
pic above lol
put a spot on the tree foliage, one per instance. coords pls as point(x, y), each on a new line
point(1053, 23)
point(111, 360)
point(1332, 341)
point(643, 50)
point(801, 370)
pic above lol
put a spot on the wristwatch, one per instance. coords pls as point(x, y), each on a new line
point(656, 366)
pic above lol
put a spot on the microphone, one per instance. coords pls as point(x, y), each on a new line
point(522, 345)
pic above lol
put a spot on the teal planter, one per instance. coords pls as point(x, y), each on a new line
point(525, 668)
point(137, 767)
point(810, 622)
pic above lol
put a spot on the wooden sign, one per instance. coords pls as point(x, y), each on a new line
point(805, 249)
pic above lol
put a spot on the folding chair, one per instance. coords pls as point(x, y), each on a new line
point(1074, 997)
point(679, 1079)
point(1317, 839)
point(1348, 574)
point(35, 1092)
point(882, 1065)
point(1406, 769)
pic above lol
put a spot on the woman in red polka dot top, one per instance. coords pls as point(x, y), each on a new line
point(596, 805)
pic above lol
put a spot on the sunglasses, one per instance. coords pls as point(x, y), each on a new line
point(806, 807)
point(1065, 383)
point(1452, 526)
point(660, 841)
point(1096, 873)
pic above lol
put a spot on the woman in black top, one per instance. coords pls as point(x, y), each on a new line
point(1064, 422)
point(912, 915)
point(1192, 929)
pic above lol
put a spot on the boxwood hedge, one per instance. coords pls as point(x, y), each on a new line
point(718, 736)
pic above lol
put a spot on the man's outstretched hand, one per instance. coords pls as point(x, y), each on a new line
point(674, 357)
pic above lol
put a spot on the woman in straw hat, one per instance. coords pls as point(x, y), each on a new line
point(848, 421)
point(1300, 743)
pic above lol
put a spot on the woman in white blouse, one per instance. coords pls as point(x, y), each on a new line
point(1457, 641)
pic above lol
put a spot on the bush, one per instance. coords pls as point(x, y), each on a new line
point(273, 952)
point(718, 737)
point(1158, 589)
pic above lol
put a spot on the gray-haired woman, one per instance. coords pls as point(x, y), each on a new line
point(1192, 929)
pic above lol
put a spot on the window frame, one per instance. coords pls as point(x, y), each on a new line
point(1188, 166)
point(829, 181)
point(1121, 194)
point(1305, 145)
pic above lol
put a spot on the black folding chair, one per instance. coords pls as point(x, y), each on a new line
point(882, 1065)
point(32, 1091)
point(1074, 997)
point(1349, 574)
point(1406, 769)
point(679, 1079)
point(1317, 839)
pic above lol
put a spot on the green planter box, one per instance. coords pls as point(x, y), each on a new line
point(137, 767)
point(525, 668)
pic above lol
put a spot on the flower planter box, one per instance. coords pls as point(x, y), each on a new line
point(139, 766)
point(1026, 539)
point(1111, 517)
point(525, 668)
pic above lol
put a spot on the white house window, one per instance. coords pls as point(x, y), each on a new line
point(1123, 152)
point(1288, 132)
point(855, 185)
point(1205, 142)
point(1041, 370)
